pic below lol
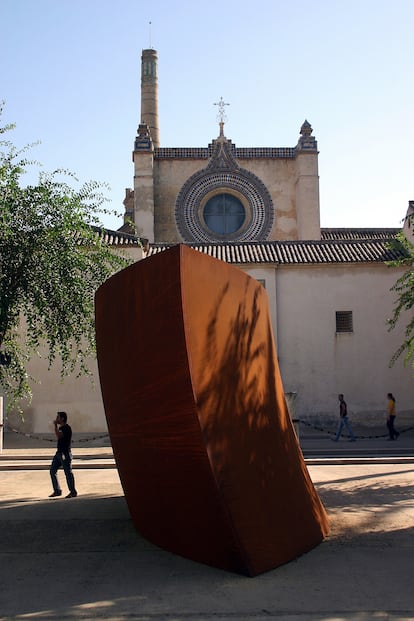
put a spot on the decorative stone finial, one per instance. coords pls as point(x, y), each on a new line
point(143, 140)
point(307, 142)
point(306, 129)
point(409, 220)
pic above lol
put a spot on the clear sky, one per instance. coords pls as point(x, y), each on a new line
point(70, 77)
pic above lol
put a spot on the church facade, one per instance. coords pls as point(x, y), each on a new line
point(219, 193)
point(258, 208)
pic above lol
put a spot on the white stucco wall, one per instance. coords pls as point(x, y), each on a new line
point(318, 363)
point(80, 397)
point(314, 361)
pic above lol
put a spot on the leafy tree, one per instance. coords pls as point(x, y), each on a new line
point(52, 259)
point(404, 288)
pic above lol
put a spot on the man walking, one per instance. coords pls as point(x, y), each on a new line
point(343, 420)
point(391, 415)
point(63, 456)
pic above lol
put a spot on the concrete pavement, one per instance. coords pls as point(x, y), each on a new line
point(64, 559)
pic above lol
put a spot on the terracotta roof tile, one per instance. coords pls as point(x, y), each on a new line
point(295, 252)
point(336, 246)
point(352, 234)
point(118, 238)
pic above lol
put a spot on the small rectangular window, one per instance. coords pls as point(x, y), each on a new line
point(344, 321)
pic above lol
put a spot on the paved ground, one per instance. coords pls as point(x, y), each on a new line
point(82, 558)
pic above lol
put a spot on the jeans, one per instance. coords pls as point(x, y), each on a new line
point(391, 429)
point(62, 460)
point(343, 422)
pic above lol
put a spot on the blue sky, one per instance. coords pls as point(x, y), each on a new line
point(70, 77)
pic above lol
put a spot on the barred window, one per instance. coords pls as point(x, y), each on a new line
point(344, 321)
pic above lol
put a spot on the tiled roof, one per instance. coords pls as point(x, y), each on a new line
point(358, 234)
point(336, 246)
point(117, 238)
point(295, 252)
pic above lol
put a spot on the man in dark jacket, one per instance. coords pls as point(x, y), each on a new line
point(343, 420)
point(63, 456)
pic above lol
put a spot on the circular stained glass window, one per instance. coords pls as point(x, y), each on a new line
point(224, 214)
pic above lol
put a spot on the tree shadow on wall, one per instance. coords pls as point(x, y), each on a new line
point(243, 413)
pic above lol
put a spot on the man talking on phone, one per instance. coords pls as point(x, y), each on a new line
point(63, 456)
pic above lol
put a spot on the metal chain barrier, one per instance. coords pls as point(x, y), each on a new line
point(106, 435)
point(333, 433)
point(32, 436)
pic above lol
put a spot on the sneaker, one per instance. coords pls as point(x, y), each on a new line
point(55, 494)
point(352, 440)
point(72, 495)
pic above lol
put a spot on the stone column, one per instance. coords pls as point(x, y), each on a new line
point(307, 185)
point(149, 94)
point(143, 158)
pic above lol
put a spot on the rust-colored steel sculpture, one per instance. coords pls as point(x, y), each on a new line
point(202, 437)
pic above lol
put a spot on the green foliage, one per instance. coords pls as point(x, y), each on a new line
point(53, 257)
point(404, 288)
